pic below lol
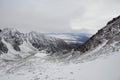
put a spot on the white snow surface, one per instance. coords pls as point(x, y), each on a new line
point(40, 66)
point(37, 68)
point(41, 55)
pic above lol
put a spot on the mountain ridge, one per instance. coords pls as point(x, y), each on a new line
point(107, 33)
point(37, 40)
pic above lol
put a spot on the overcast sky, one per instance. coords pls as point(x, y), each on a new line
point(57, 15)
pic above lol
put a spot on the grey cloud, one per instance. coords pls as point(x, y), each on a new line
point(57, 15)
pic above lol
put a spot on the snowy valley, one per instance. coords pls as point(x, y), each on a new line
point(36, 56)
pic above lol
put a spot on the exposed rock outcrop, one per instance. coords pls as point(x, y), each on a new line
point(109, 33)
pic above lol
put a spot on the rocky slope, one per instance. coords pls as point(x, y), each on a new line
point(109, 34)
point(16, 39)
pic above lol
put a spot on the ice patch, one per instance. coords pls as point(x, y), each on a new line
point(40, 54)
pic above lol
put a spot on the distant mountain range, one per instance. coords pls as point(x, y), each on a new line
point(50, 42)
point(74, 39)
point(13, 41)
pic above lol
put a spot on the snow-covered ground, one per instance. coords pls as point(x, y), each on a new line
point(39, 67)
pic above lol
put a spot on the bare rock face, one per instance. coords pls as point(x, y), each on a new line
point(111, 32)
point(0, 30)
point(14, 37)
point(3, 47)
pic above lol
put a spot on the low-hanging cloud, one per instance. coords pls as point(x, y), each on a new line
point(57, 15)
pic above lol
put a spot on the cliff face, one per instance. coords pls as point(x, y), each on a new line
point(3, 47)
point(110, 33)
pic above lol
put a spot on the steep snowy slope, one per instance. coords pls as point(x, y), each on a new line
point(110, 33)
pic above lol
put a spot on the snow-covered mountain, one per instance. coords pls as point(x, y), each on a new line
point(12, 38)
point(109, 34)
